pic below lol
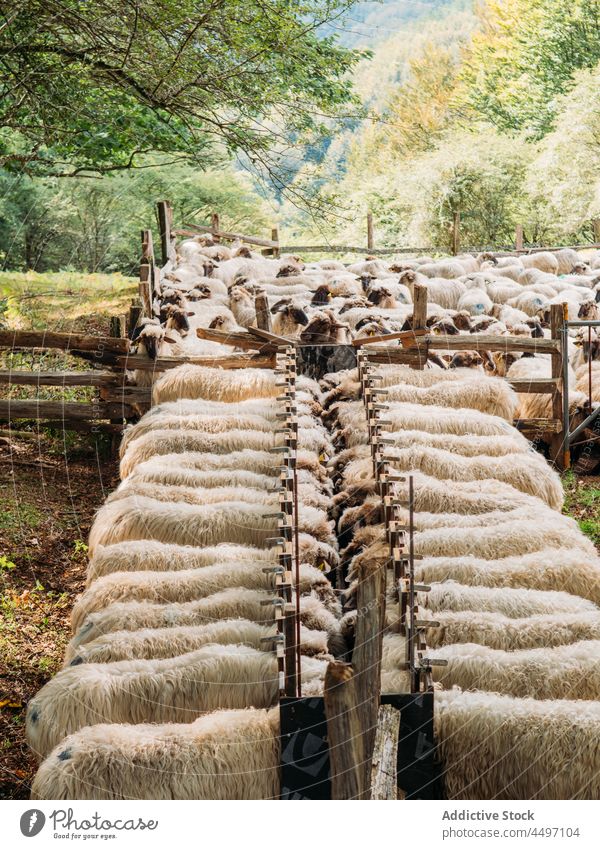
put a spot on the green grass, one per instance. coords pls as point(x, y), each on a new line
point(23, 515)
point(57, 301)
point(582, 502)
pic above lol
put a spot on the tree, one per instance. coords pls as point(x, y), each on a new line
point(90, 86)
point(525, 53)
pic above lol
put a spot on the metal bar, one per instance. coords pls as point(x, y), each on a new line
point(595, 323)
point(591, 418)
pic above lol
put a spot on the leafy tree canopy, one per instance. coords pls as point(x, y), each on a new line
point(90, 86)
point(524, 55)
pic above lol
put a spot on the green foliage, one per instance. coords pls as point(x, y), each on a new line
point(93, 225)
point(524, 55)
point(6, 564)
point(91, 87)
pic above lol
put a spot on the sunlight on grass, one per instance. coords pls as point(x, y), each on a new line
point(56, 300)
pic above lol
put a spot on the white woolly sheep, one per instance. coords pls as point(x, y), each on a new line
point(489, 395)
point(573, 570)
point(189, 381)
point(197, 760)
point(515, 603)
point(176, 689)
point(499, 747)
point(191, 584)
point(571, 671)
point(189, 524)
point(157, 643)
point(503, 632)
point(233, 603)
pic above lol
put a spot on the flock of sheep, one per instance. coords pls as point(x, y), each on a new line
point(170, 685)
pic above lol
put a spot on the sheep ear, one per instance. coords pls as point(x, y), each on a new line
point(170, 341)
point(190, 313)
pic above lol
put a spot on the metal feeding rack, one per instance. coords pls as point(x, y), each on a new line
point(399, 533)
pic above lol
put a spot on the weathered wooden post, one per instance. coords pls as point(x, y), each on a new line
point(596, 226)
point(456, 233)
point(347, 755)
point(214, 226)
point(366, 657)
point(519, 237)
point(165, 225)
point(559, 445)
point(420, 293)
point(275, 238)
point(384, 771)
point(370, 240)
point(263, 314)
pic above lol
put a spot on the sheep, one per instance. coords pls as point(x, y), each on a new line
point(324, 328)
point(155, 643)
point(136, 555)
point(503, 632)
point(205, 423)
point(527, 472)
point(175, 689)
point(288, 319)
point(542, 673)
point(170, 441)
point(191, 584)
point(475, 302)
point(487, 395)
point(499, 747)
point(233, 603)
point(197, 760)
point(265, 408)
point(574, 570)
point(188, 524)
point(445, 293)
point(241, 303)
point(448, 268)
point(515, 603)
point(542, 260)
point(529, 302)
point(189, 381)
point(466, 446)
point(566, 258)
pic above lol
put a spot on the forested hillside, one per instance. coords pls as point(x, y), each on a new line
point(488, 111)
point(491, 113)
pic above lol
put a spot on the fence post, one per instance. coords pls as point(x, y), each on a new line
point(263, 315)
point(384, 773)
point(366, 657)
point(519, 237)
point(214, 226)
point(275, 238)
point(165, 225)
point(347, 754)
point(370, 240)
point(145, 288)
point(559, 445)
point(420, 317)
point(456, 233)
point(596, 226)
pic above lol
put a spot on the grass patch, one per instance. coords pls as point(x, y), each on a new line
point(59, 301)
point(582, 502)
point(22, 515)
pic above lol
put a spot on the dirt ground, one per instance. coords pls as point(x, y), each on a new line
point(49, 498)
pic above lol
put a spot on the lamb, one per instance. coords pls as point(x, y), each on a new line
point(574, 570)
point(488, 395)
point(503, 632)
point(176, 689)
point(571, 671)
point(191, 584)
point(189, 381)
point(155, 643)
point(197, 760)
point(188, 524)
point(233, 603)
point(499, 747)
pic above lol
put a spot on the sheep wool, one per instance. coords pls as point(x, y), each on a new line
point(213, 384)
point(196, 760)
